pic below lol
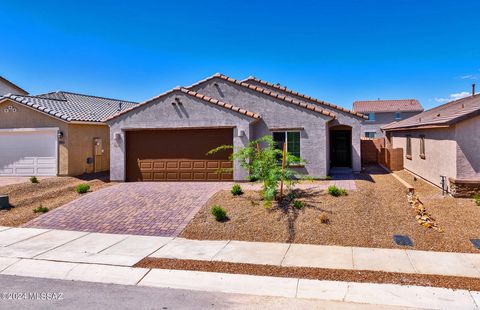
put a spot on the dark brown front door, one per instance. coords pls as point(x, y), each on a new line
point(178, 155)
point(340, 148)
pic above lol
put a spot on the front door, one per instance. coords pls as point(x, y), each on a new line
point(340, 148)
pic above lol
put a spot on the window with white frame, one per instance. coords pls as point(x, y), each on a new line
point(398, 116)
point(371, 116)
point(291, 138)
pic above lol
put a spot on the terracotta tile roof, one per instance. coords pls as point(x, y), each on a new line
point(444, 115)
point(267, 92)
point(72, 107)
point(302, 96)
point(397, 105)
point(189, 92)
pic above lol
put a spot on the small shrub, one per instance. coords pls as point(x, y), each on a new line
point(236, 190)
point(33, 179)
point(219, 213)
point(337, 192)
point(324, 219)
point(297, 204)
point(328, 177)
point(41, 209)
point(82, 188)
point(477, 199)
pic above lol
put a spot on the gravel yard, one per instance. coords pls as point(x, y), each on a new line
point(51, 193)
point(314, 273)
point(367, 217)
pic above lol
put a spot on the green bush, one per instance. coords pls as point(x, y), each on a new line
point(236, 190)
point(219, 213)
point(40, 209)
point(298, 204)
point(477, 199)
point(337, 192)
point(33, 179)
point(82, 188)
point(261, 158)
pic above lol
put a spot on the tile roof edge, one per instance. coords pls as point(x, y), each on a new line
point(42, 109)
point(190, 93)
point(295, 93)
point(265, 92)
point(220, 103)
point(452, 121)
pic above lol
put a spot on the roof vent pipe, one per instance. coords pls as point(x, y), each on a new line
point(473, 89)
point(119, 106)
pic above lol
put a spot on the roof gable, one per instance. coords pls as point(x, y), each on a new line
point(10, 84)
point(273, 94)
point(189, 92)
point(443, 115)
point(290, 92)
point(396, 105)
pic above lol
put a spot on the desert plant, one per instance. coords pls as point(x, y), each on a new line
point(40, 209)
point(82, 188)
point(236, 190)
point(297, 204)
point(477, 199)
point(324, 219)
point(219, 213)
point(337, 192)
point(33, 179)
point(263, 165)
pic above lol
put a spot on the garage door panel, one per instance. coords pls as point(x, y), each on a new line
point(26, 153)
point(177, 155)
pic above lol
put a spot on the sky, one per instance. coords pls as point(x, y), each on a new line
point(337, 51)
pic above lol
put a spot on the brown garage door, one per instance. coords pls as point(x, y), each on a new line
point(178, 155)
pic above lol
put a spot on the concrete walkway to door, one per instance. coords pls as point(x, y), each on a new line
point(150, 209)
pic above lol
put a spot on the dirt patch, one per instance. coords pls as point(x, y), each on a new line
point(367, 217)
point(314, 273)
point(51, 193)
point(458, 217)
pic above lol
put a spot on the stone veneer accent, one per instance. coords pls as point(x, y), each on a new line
point(464, 188)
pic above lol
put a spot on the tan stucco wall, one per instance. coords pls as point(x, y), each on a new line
point(81, 147)
point(468, 148)
point(440, 153)
point(77, 142)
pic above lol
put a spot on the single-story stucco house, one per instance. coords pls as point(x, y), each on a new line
point(384, 112)
point(167, 137)
point(59, 133)
point(443, 142)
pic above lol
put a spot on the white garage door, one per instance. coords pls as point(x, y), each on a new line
point(27, 152)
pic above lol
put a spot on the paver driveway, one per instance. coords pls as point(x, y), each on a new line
point(151, 209)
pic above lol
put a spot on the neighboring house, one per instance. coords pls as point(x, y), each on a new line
point(443, 141)
point(167, 137)
point(58, 133)
point(383, 112)
point(7, 87)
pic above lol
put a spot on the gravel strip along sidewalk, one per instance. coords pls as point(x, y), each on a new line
point(362, 276)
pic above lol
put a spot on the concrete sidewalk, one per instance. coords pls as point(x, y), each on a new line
point(127, 250)
point(351, 292)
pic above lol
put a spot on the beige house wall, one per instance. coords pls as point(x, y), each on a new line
point(76, 144)
point(440, 153)
point(81, 147)
point(468, 148)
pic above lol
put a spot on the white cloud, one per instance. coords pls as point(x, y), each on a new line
point(454, 96)
point(470, 77)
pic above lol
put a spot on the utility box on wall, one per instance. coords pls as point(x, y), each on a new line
point(97, 147)
point(97, 154)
